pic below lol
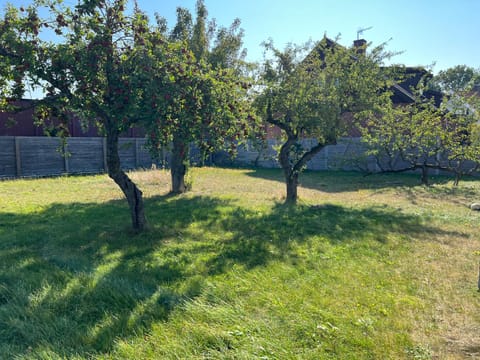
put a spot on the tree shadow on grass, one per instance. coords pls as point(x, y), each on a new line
point(258, 239)
point(74, 279)
point(345, 181)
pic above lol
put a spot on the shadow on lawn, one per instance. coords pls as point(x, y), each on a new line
point(340, 181)
point(73, 279)
point(260, 238)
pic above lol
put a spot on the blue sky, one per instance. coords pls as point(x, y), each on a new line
point(445, 32)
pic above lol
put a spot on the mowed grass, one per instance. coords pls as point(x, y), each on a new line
point(363, 268)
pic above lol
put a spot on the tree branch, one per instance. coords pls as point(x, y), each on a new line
point(309, 155)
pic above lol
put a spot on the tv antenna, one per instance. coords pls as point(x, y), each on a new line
point(362, 30)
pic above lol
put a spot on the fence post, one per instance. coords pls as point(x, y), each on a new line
point(104, 142)
point(65, 158)
point(18, 158)
point(136, 153)
point(326, 157)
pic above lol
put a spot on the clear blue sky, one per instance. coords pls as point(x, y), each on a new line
point(446, 32)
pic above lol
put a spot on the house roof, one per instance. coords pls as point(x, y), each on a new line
point(20, 122)
point(409, 77)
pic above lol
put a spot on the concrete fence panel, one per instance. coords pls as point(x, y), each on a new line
point(40, 156)
point(8, 163)
point(43, 156)
point(85, 155)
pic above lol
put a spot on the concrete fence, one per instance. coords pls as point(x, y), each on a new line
point(44, 156)
point(329, 158)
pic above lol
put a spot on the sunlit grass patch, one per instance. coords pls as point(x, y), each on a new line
point(362, 268)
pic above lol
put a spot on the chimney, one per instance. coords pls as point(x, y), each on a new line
point(360, 46)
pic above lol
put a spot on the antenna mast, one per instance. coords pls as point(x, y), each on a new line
point(362, 30)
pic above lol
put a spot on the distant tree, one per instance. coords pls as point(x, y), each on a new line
point(95, 68)
point(463, 134)
point(423, 136)
point(16, 52)
point(407, 138)
point(307, 96)
point(205, 99)
point(456, 79)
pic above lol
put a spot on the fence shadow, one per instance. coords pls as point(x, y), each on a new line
point(74, 280)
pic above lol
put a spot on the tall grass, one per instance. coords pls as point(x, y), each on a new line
point(363, 268)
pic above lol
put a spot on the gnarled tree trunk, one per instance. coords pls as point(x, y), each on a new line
point(291, 179)
point(424, 175)
point(178, 169)
point(130, 190)
point(291, 170)
point(292, 186)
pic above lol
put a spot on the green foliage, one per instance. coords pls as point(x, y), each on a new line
point(199, 39)
point(461, 135)
point(95, 67)
point(420, 135)
point(18, 29)
point(306, 91)
point(412, 132)
point(192, 102)
point(456, 79)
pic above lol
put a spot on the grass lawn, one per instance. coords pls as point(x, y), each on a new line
point(363, 268)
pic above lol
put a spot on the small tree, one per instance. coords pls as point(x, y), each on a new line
point(204, 97)
point(423, 136)
point(463, 129)
point(193, 103)
point(306, 97)
point(94, 68)
point(406, 138)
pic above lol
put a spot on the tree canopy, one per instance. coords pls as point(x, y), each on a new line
point(456, 79)
point(423, 135)
point(203, 91)
point(307, 91)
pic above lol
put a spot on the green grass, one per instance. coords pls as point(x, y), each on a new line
point(363, 268)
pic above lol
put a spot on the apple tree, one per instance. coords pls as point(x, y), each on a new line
point(204, 93)
point(307, 91)
point(425, 135)
point(93, 68)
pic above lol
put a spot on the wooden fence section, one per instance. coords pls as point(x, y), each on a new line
point(43, 156)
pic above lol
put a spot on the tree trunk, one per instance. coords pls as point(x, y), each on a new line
point(291, 178)
point(130, 190)
point(458, 176)
point(291, 170)
point(292, 186)
point(178, 169)
point(425, 175)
